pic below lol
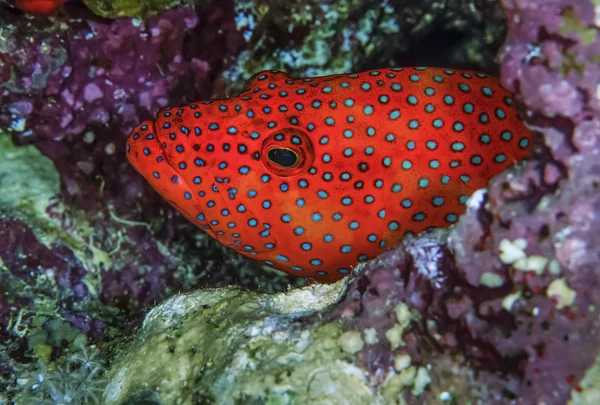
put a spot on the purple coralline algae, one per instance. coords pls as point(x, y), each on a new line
point(513, 289)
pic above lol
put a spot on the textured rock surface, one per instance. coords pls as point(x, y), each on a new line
point(226, 346)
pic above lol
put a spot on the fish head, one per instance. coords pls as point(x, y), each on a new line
point(237, 171)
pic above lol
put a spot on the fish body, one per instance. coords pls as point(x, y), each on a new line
point(312, 176)
point(41, 7)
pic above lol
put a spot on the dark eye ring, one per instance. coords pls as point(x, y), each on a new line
point(283, 157)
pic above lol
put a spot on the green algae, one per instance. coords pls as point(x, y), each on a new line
point(312, 38)
point(28, 179)
point(131, 8)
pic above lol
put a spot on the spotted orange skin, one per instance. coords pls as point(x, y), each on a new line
point(381, 154)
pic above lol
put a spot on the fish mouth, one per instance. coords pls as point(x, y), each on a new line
point(197, 194)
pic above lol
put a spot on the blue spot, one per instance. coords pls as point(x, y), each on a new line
point(393, 226)
point(464, 87)
point(437, 201)
point(368, 110)
point(306, 246)
point(252, 193)
point(394, 115)
point(213, 126)
point(354, 225)
point(346, 200)
point(282, 258)
point(396, 188)
point(266, 204)
point(299, 231)
point(200, 216)
point(252, 222)
point(322, 194)
point(241, 208)
point(316, 262)
point(448, 99)
point(156, 175)
point(303, 183)
point(420, 216)
point(328, 237)
point(406, 203)
point(336, 216)
point(487, 91)
point(187, 195)
point(316, 217)
point(346, 249)
point(265, 178)
point(372, 238)
point(458, 146)
point(451, 218)
point(381, 214)
point(286, 218)
point(284, 187)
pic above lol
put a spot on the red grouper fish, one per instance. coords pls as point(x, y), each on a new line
point(312, 176)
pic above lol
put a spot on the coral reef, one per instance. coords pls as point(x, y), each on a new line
point(500, 309)
point(503, 307)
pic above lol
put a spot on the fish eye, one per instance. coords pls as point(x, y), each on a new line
point(287, 152)
point(283, 157)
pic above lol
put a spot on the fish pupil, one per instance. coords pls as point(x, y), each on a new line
point(283, 157)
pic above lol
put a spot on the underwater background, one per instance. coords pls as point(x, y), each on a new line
point(109, 296)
